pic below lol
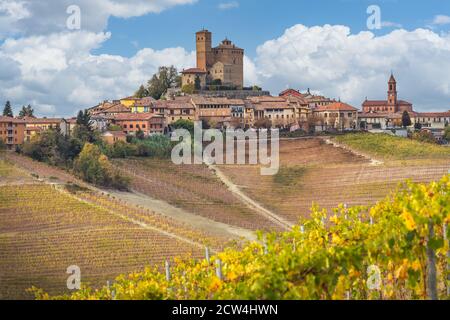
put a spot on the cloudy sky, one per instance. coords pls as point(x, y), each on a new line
point(325, 45)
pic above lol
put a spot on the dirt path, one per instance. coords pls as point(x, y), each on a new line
point(134, 221)
point(196, 221)
point(252, 204)
point(209, 226)
point(373, 162)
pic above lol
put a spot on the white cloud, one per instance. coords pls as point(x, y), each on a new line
point(59, 74)
point(228, 5)
point(390, 24)
point(48, 16)
point(441, 20)
point(352, 66)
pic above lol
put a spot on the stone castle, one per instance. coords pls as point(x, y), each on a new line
point(223, 64)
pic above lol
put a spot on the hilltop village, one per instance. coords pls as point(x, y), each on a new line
point(213, 92)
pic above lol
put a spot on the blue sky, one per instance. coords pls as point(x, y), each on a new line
point(253, 22)
point(324, 45)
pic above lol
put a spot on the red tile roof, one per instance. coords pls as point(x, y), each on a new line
point(193, 70)
point(433, 114)
point(336, 106)
point(133, 116)
point(10, 119)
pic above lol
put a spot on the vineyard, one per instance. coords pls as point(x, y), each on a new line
point(397, 249)
point(44, 229)
point(312, 171)
point(193, 188)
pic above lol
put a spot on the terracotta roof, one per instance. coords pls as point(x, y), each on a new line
point(114, 108)
point(33, 120)
point(266, 99)
point(432, 114)
point(10, 119)
point(369, 103)
point(379, 115)
point(115, 133)
point(200, 100)
point(291, 92)
point(336, 106)
point(180, 105)
point(144, 102)
point(297, 99)
point(133, 116)
point(193, 71)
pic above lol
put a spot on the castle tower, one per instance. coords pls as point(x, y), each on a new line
point(204, 44)
point(392, 94)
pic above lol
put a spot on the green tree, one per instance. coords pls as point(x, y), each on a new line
point(7, 111)
point(94, 167)
point(2, 145)
point(52, 147)
point(83, 130)
point(406, 119)
point(188, 88)
point(447, 133)
point(141, 92)
point(183, 124)
point(140, 135)
point(198, 83)
point(27, 111)
point(167, 77)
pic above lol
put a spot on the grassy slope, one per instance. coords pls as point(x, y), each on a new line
point(391, 147)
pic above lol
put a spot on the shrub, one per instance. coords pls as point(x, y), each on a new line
point(94, 167)
point(154, 146)
point(121, 149)
point(447, 133)
point(424, 136)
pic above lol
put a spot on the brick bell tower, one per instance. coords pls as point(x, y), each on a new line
point(392, 94)
point(204, 52)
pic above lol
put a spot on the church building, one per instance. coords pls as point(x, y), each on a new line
point(391, 105)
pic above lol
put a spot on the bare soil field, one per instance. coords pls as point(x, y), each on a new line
point(193, 188)
point(312, 171)
point(46, 228)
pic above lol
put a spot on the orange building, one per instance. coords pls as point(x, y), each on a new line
point(12, 131)
point(148, 123)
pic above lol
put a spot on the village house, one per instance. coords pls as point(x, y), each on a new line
point(147, 123)
point(278, 110)
point(34, 126)
point(12, 132)
point(189, 76)
point(433, 120)
point(214, 110)
point(179, 109)
point(111, 137)
point(337, 115)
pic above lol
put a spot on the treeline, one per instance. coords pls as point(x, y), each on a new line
point(85, 154)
